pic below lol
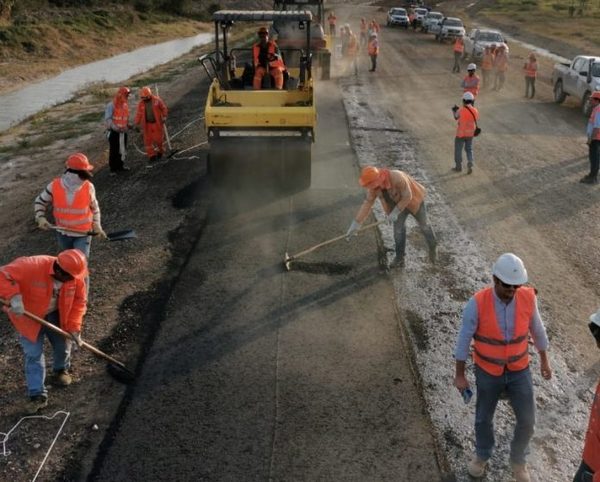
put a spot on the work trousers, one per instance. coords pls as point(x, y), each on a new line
point(81, 243)
point(584, 473)
point(35, 362)
point(115, 158)
point(260, 72)
point(154, 139)
point(594, 156)
point(456, 66)
point(529, 85)
point(461, 143)
point(400, 230)
point(499, 79)
point(373, 62)
point(518, 386)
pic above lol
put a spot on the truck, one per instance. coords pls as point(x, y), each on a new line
point(579, 79)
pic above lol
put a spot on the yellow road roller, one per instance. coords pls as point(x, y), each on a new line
point(260, 113)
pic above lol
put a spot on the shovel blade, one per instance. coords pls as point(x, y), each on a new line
point(121, 235)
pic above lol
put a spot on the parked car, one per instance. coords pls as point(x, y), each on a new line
point(578, 79)
point(479, 39)
point(432, 18)
point(450, 28)
point(420, 14)
point(397, 16)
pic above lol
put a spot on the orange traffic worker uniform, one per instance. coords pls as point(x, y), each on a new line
point(591, 449)
point(466, 117)
point(151, 115)
point(266, 57)
point(471, 84)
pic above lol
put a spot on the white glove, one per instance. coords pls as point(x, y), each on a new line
point(353, 230)
point(16, 305)
point(43, 223)
point(391, 218)
point(98, 231)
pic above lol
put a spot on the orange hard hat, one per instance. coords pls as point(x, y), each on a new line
point(368, 175)
point(73, 262)
point(263, 30)
point(596, 95)
point(123, 91)
point(78, 162)
point(145, 92)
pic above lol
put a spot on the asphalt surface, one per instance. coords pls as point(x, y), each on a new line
point(262, 374)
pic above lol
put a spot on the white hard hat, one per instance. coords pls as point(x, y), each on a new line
point(468, 96)
point(510, 269)
point(471, 67)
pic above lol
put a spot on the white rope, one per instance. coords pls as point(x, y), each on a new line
point(186, 126)
point(6, 436)
point(188, 149)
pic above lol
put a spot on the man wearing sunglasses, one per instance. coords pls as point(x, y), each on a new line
point(589, 470)
point(500, 319)
point(52, 288)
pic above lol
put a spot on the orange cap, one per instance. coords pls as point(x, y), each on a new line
point(368, 175)
point(73, 262)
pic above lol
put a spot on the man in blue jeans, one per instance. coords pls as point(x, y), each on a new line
point(499, 319)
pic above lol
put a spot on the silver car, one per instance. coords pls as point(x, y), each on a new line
point(397, 16)
point(431, 19)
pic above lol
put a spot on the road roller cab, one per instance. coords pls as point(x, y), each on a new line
point(263, 135)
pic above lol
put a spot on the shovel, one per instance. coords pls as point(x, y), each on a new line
point(288, 259)
point(117, 369)
point(114, 236)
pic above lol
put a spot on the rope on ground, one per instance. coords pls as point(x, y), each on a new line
point(6, 436)
point(186, 126)
point(188, 149)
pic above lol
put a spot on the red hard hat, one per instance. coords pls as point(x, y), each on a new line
point(124, 91)
point(368, 175)
point(596, 95)
point(73, 261)
point(145, 93)
point(78, 162)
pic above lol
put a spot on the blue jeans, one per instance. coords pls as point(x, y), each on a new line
point(400, 230)
point(35, 363)
point(519, 388)
point(82, 243)
point(459, 143)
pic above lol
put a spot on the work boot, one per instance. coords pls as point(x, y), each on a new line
point(457, 169)
point(62, 378)
point(398, 262)
point(36, 403)
point(521, 472)
point(589, 180)
point(470, 170)
point(476, 467)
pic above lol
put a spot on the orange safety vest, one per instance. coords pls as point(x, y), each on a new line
point(466, 121)
point(76, 215)
point(373, 47)
point(352, 48)
point(591, 449)
point(272, 50)
point(501, 63)
point(487, 62)
point(30, 276)
point(471, 84)
point(595, 112)
point(459, 45)
point(492, 353)
point(530, 69)
point(363, 27)
point(120, 116)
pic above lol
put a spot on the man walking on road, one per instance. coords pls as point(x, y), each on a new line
point(471, 81)
point(116, 119)
point(487, 65)
point(466, 117)
point(593, 140)
point(589, 470)
point(458, 49)
point(51, 288)
point(400, 195)
point(150, 116)
point(373, 51)
point(530, 70)
point(500, 319)
point(500, 67)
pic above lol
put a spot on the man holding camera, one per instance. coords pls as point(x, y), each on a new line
point(467, 117)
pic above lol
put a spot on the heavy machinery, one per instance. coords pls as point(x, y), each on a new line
point(289, 36)
point(259, 138)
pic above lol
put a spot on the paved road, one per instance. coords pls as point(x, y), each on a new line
point(261, 374)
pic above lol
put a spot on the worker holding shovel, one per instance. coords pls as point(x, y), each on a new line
point(52, 288)
point(150, 116)
point(400, 195)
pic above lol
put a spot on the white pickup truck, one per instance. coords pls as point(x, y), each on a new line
point(578, 79)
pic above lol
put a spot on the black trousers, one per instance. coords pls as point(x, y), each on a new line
point(529, 85)
point(373, 62)
point(114, 156)
point(594, 155)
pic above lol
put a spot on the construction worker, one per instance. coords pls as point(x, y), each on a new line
point(458, 48)
point(593, 140)
point(471, 81)
point(267, 59)
point(75, 208)
point(332, 19)
point(400, 195)
point(116, 119)
point(373, 51)
point(530, 70)
point(500, 67)
point(345, 36)
point(500, 319)
point(466, 117)
point(150, 116)
point(374, 26)
point(51, 288)
point(352, 51)
point(487, 66)
point(363, 32)
point(589, 470)
point(412, 19)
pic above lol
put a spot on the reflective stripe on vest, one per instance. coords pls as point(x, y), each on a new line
point(459, 46)
point(76, 215)
point(120, 116)
point(501, 63)
point(471, 84)
point(487, 63)
point(530, 69)
point(492, 353)
point(466, 122)
point(373, 48)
